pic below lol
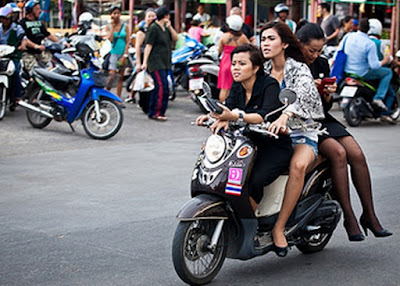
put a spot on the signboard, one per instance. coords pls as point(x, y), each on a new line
point(213, 1)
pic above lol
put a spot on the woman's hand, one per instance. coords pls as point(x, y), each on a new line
point(226, 115)
point(219, 125)
point(279, 125)
point(144, 66)
point(201, 119)
point(138, 68)
point(123, 61)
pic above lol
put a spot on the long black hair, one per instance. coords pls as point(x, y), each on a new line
point(310, 31)
point(285, 33)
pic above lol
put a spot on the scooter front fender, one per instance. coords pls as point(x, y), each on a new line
point(203, 207)
point(4, 80)
point(95, 94)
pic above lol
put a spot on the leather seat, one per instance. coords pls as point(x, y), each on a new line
point(58, 81)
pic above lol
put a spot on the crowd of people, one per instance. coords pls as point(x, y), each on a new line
point(250, 79)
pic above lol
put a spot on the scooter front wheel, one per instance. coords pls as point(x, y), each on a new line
point(194, 261)
point(109, 123)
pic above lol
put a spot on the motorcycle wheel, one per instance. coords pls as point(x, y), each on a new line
point(317, 241)
point(396, 107)
point(351, 114)
point(110, 122)
point(38, 96)
point(193, 261)
point(3, 102)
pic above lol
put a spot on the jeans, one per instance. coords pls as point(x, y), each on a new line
point(384, 75)
point(391, 95)
point(15, 82)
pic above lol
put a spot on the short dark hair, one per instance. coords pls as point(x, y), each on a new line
point(115, 7)
point(364, 25)
point(161, 12)
point(256, 56)
point(325, 6)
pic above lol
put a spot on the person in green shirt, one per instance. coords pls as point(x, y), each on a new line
point(157, 61)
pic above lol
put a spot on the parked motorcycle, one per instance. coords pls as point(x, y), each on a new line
point(68, 98)
point(7, 68)
point(219, 222)
point(357, 96)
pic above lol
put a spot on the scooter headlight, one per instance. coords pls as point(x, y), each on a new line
point(215, 147)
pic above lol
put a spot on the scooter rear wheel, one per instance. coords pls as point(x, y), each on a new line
point(194, 262)
point(37, 97)
point(396, 107)
point(351, 113)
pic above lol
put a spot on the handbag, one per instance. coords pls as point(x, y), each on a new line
point(339, 64)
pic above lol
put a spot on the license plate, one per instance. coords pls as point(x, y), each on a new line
point(348, 91)
point(196, 83)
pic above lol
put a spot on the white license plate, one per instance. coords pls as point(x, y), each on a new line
point(196, 83)
point(349, 91)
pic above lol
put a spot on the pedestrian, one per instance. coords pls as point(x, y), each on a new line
point(229, 40)
point(346, 26)
point(282, 13)
point(196, 32)
point(286, 63)
point(13, 35)
point(330, 24)
point(339, 146)
point(202, 16)
point(149, 17)
point(119, 35)
point(157, 61)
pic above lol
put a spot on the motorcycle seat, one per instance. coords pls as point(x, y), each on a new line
point(57, 80)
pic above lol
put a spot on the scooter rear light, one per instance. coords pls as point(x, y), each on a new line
point(194, 69)
point(352, 81)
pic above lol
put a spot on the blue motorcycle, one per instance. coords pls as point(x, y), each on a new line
point(68, 98)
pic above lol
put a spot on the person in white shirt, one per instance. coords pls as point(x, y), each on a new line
point(201, 16)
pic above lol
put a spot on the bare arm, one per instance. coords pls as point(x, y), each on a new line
point(53, 38)
point(333, 35)
point(140, 36)
point(147, 52)
point(174, 34)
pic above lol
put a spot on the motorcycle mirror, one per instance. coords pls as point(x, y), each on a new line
point(287, 96)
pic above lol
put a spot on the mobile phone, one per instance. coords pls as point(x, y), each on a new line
point(325, 81)
point(213, 105)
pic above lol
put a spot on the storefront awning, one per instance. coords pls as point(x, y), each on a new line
point(388, 3)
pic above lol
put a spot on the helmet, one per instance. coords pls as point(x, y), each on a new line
point(281, 8)
point(235, 22)
point(14, 7)
point(375, 27)
point(6, 12)
point(85, 17)
point(29, 6)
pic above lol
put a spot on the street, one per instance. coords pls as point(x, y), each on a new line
point(77, 211)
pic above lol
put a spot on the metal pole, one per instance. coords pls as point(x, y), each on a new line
point(131, 6)
point(255, 17)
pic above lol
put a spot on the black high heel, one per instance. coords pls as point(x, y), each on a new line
point(281, 251)
point(353, 237)
point(367, 225)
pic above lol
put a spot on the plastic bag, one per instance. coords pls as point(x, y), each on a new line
point(143, 82)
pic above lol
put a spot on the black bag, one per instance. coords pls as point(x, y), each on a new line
point(106, 62)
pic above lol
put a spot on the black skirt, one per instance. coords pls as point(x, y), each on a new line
point(334, 128)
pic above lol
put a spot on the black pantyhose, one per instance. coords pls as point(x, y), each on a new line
point(339, 152)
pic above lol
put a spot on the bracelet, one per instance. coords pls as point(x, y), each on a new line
point(125, 55)
point(286, 115)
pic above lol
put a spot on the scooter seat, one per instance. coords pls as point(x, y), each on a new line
point(59, 81)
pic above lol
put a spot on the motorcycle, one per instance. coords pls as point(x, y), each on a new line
point(74, 98)
point(7, 69)
point(180, 58)
point(357, 96)
point(219, 221)
point(203, 77)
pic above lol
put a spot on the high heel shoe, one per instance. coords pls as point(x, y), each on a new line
point(353, 237)
point(280, 251)
point(367, 225)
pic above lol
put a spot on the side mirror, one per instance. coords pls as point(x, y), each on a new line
point(287, 96)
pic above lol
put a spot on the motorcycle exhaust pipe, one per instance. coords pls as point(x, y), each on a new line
point(33, 108)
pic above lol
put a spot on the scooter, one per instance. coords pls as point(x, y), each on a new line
point(7, 69)
point(356, 100)
point(219, 222)
point(74, 98)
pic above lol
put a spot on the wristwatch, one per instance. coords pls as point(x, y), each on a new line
point(241, 115)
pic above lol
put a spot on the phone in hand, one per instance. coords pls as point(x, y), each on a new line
point(325, 81)
point(213, 105)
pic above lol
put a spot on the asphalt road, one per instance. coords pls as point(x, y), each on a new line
point(76, 211)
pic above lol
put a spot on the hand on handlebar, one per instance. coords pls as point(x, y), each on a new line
point(201, 119)
point(226, 115)
point(279, 125)
point(218, 126)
